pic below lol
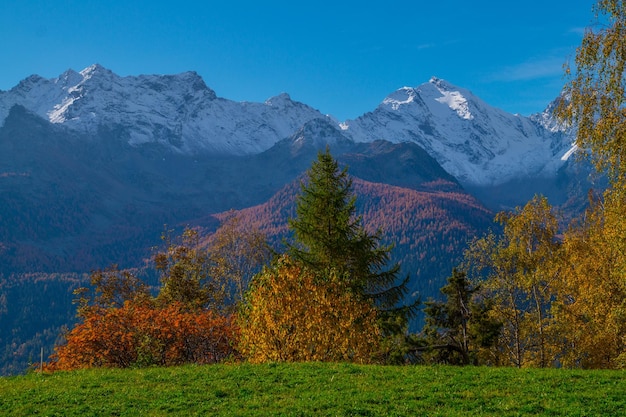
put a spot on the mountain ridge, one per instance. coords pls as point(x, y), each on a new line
point(177, 111)
point(476, 143)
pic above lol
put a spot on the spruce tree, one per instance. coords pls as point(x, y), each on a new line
point(329, 236)
point(457, 328)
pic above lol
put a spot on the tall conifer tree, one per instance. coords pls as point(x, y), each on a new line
point(329, 236)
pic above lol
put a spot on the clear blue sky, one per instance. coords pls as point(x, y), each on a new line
point(340, 57)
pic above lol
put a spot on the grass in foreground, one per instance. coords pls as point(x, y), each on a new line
point(315, 389)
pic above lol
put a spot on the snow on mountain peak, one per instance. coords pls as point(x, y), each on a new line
point(547, 119)
point(69, 78)
point(91, 70)
point(571, 151)
point(452, 98)
point(435, 91)
point(279, 101)
point(317, 133)
point(400, 97)
point(442, 84)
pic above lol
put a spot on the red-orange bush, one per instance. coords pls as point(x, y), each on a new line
point(140, 334)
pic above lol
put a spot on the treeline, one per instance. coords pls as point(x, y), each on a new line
point(425, 247)
point(123, 321)
point(33, 308)
point(428, 230)
point(556, 295)
point(561, 296)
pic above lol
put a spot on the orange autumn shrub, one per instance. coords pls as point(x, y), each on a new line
point(141, 334)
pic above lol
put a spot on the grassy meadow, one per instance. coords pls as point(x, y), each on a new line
point(316, 389)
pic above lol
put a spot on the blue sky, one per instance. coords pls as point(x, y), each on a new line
point(340, 57)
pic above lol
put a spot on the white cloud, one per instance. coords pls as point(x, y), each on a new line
point(426, 46)
point(580, 31)
point(531, 70)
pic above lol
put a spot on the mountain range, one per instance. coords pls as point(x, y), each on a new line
point(93, 165)
point(474, 142)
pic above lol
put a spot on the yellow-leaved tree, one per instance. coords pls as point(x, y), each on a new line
point(590, 310)
point(592, 301)
point(595, 91)
point(293, 315)
point(236, 253)
point(333, 297)
point(520, 270)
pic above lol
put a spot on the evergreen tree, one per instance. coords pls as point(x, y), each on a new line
point(329, 236)
point(457, 328)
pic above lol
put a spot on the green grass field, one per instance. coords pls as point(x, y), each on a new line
point(316, 389)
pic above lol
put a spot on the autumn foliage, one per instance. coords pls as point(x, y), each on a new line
point(560, 297)
point(142, 335)
point(590, 307)
point(122, 325)
point(292, 315)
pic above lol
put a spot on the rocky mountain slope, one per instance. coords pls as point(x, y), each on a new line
point(478, 144)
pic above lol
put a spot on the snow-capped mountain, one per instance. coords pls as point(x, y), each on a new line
point(478, 144)
point(178, 111)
